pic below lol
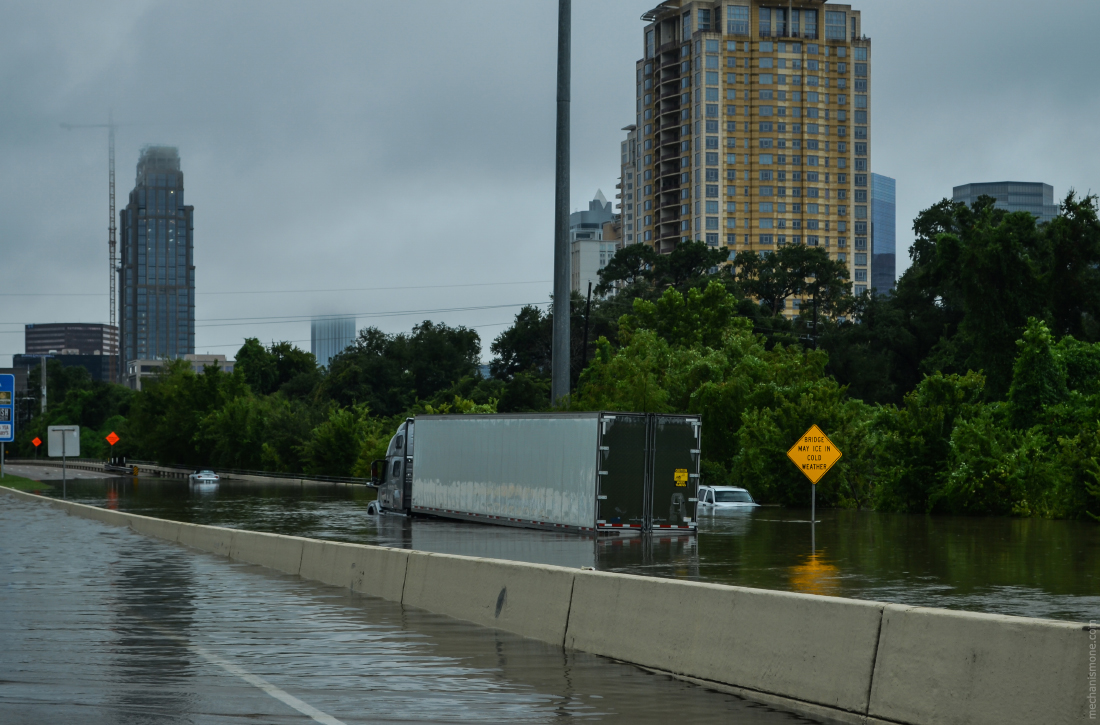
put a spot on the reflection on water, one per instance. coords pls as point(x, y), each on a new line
point(1028, 567)
point(815, 575)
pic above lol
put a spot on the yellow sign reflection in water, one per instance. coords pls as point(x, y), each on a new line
point(815, 575)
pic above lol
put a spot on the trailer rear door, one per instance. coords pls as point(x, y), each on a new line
point(622, 472)
point(675, 443)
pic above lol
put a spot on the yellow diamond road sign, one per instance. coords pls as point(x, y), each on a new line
point(814, 453)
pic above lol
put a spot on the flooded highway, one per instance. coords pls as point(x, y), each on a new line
point(102, 625)
point(1025, 567)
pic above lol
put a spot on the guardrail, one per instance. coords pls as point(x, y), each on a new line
point(176, 471)
point(236, 472)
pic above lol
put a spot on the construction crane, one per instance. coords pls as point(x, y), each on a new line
point(111, 242)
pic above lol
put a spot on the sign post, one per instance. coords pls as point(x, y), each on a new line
point(37, 442)
point(64, 442)
point(814, 454)
point(7, 415)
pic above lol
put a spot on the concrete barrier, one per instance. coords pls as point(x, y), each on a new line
point(839, 660)
point(158, 528)
point(531, 600)
point(282, 553)
point(940, 666)
point(816, 649)
point(211, 539)
point(371, 570)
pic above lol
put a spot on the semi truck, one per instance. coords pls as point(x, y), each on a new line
point(598, 473)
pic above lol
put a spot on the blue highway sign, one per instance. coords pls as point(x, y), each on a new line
point(7, 408)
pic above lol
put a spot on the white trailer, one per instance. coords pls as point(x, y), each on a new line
point(586, 472)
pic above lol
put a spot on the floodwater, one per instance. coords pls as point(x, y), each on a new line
point(1025, 567)
point(102, 625)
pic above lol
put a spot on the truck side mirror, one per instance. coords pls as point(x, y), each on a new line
point(378, 471)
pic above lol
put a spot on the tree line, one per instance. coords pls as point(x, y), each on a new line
point(973, 387)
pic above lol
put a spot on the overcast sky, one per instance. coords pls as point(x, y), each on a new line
point(341, 146)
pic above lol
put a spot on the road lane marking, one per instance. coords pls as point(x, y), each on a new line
point(281, 695)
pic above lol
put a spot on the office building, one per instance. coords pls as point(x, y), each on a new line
point(1031, 196)
point(141, 370)
point(590, 251)
point(156, 308)
point(330, 336)
point(754, 127)
point(73, 344)
point(883, 234)
point(77, 338)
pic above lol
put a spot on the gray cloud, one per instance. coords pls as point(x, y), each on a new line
point(374, 145)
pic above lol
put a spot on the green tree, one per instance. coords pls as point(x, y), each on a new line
point(631, 265)
point(791, 271)
point(915, 440)
point(280, 367)
point(345, 443)
point(690, 264)
point(391, 372)
point(1038, 376)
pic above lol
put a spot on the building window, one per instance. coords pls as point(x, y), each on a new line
point(766, 239)
point(767, 223)
point(861, 212)
point(836, 25)
point(712, 174)
point(861, 259)
point(712, 190)
point(861, 101)
point(737, 19)
point(712, 158)
point(860, 53)
point(861, 275)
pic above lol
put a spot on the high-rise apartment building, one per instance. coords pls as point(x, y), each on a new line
point(1030, 196)
point(883, 234)
point(330, 336)
point(754, 127)
point(157, 275)
point(626, 193)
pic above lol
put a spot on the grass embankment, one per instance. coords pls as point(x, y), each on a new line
point(23, 484)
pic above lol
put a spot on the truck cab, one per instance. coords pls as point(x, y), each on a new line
point(392, 475)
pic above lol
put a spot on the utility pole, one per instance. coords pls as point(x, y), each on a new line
point(587, 310)
point(560, 367)
point(111, 229)
point(43, 377)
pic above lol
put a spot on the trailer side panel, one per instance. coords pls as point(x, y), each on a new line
point(538, 469)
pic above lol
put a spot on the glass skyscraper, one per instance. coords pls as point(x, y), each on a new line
point(330, 336)
point(883, 233)
point(157, 275)
point(1035, 197)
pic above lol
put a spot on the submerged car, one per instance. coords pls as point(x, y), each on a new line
point(206, 477)
point(717, 498)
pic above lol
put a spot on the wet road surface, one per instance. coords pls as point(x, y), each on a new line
point(101, 625)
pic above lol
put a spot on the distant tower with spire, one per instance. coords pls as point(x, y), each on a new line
point(594, 239)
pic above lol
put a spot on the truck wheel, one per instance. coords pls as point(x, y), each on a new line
point(372, 508)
